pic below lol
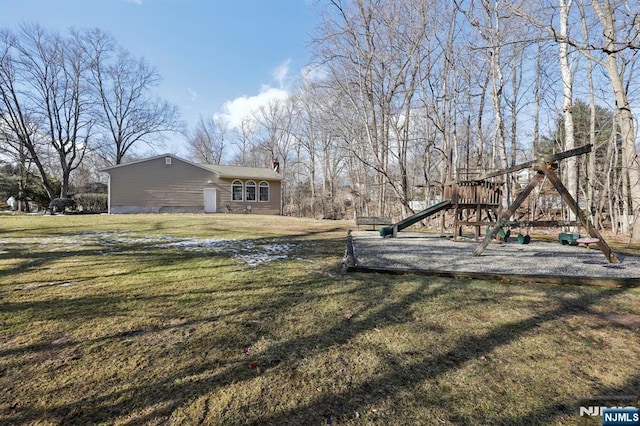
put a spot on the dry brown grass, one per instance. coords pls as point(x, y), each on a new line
point(107, 320)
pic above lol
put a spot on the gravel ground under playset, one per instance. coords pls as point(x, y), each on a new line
point(538, 260)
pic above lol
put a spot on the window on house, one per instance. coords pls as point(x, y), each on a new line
point(264, 191)
point(251, 191)
point(236, 190)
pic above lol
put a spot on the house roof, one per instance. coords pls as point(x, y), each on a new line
point(230, 172)
point(131, 163)
point(225, 172)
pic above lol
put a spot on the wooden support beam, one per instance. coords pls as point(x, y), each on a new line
point(510, 211)
point(556, 157)
point(515, 168)
point(478, 219)
point(523, 223)
point(570, 153)
point(568, 199)
point(541, 223)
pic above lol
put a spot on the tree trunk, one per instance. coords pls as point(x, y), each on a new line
point(630, 161)
point(590, 204)
point(567, 95)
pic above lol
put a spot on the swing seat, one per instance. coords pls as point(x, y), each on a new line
point(568, 238)
point(524, 239)
point(588, 241)
point(502, 234)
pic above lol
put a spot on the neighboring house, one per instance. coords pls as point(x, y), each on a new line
point(169, 184)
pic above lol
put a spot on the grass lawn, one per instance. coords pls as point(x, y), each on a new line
point(245, 319)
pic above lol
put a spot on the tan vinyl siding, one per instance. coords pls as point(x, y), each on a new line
point(154, 183)
point(258, 207)
point(154, 186)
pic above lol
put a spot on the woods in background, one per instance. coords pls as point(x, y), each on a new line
point(400, 97)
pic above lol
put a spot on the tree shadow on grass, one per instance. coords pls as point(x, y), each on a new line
point(155, 252)
point(163, 395)
point(74, 308)
point(626, 395)
point(430, 367)
point(166, 394)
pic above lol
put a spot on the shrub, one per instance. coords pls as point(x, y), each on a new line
point(61, 204)
point(93, 187)
point(92, 202)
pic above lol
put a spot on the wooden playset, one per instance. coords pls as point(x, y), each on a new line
point(478, 203)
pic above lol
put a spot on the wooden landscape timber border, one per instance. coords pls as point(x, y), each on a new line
point(351, 265)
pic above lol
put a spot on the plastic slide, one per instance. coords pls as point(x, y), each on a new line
point(406, 222)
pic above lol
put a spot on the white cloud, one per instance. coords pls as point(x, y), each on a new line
point(244, 106)
point(234, 111)
point(281, 72)
point(138, 2)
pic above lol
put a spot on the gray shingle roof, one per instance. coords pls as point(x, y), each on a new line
point(225, 172)
point(230, 172)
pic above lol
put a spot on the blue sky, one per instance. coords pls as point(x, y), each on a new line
point(214, 56)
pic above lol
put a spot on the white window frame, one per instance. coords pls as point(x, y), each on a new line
point(237, 182)
point(260, 186)
point(247, 185)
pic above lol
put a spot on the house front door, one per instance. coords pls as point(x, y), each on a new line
point(210, 201)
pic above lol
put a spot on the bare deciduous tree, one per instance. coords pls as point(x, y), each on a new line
point(63, 95)
point(244, 138)
point(208, 140)
point(373, 51)
point(46, 100)
point(128, 113)
point(276, 122)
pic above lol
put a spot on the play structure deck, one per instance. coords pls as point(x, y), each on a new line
point(478, 203)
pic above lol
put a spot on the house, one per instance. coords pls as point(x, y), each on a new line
point(169, 184)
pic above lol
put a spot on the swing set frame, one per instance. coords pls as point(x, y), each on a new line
point(545, 168)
